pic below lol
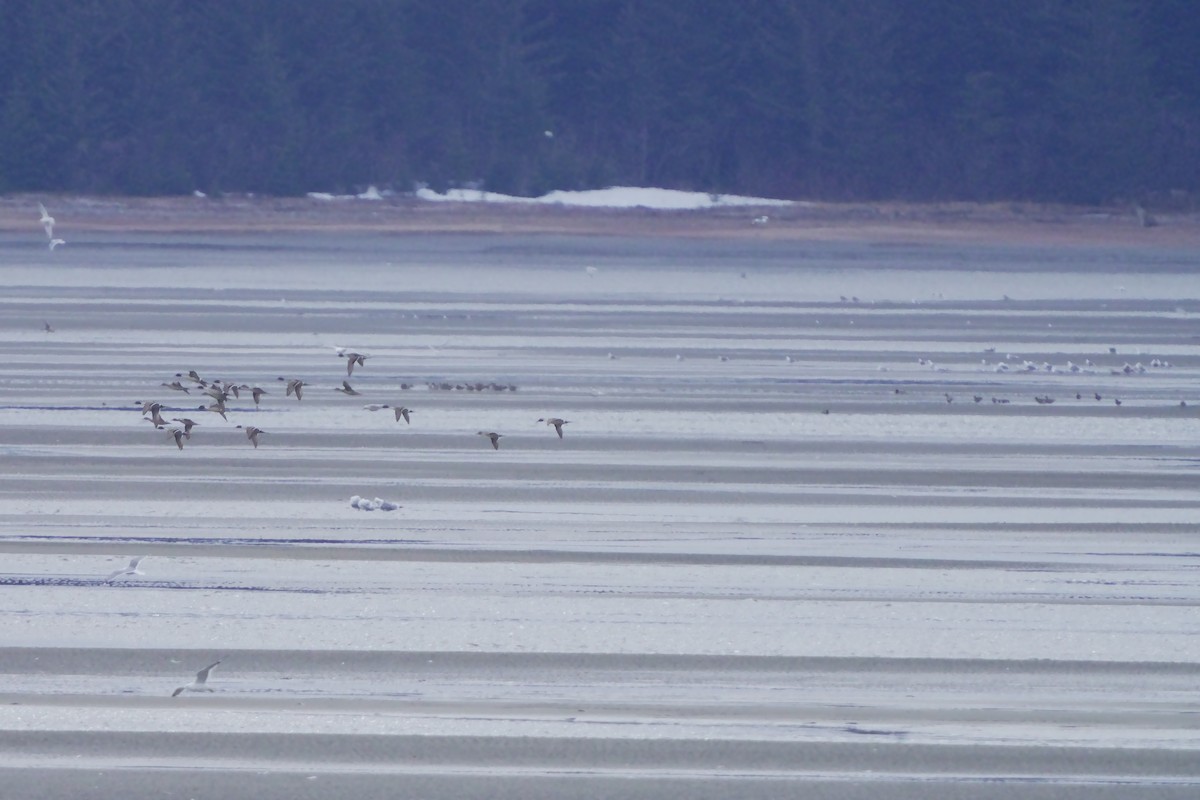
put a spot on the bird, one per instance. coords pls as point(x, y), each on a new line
point(294, 385)
point(176, 386)
point(495, 437)
point(346, 389)
point(252, 434)
point(556, 422)
point(179, 436)
point(55, 243)
point(132, 569)
point(216, 408)
point(352, 358)
point(188, 424)
point(201, 682)
point(154, 415)
point(257, 393)
point(47, 222)
point(47, 327)
point(403, 412)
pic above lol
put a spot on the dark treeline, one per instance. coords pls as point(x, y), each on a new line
point(1069, 100)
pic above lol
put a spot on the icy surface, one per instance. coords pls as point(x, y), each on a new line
point(803, 530)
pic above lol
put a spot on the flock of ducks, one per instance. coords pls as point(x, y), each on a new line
point(218, 394)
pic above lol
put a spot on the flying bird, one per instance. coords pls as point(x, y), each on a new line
point(346, 389)
point(294, 385)
point(556, 422)
point(132, 569)
point(47, 222)
point(252, 434)
point(352, 358)
point(55, 243)
point(201, 682)
point(179, 436)
point(495, 437)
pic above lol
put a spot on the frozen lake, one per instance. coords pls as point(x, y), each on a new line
point(850, 520)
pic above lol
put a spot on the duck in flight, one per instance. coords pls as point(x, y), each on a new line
point(495, 438)
point(556, 422)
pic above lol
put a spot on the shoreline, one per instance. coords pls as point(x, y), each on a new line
point(883, 223)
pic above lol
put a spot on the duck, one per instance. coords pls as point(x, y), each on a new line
point(188, 424)
point(257, 394)
point(352, 358)
point(346, 389)
point(252, 434)
point(495, 437)
point(556, 422)
point(294, 386)
point(179, 436)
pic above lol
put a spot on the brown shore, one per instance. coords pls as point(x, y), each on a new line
point(998, 223)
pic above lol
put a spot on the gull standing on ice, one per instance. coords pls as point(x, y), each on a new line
point(556, 422)
point(132, 569)
point(201, 682)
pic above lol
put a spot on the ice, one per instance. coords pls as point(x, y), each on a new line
point(767, 551)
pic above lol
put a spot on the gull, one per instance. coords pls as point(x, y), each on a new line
point(132, 569)
point(556, 422)
point(55, 243)
point(346, 389)
point(294, 385)
point(201, 682)
point(47, 222)
point(252, 434)
point(495, 437)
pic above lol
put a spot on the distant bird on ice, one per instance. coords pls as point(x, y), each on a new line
point(201, 682)
point(556, 422)
point(495, 437)
point(132, 569)
point(47, 222)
